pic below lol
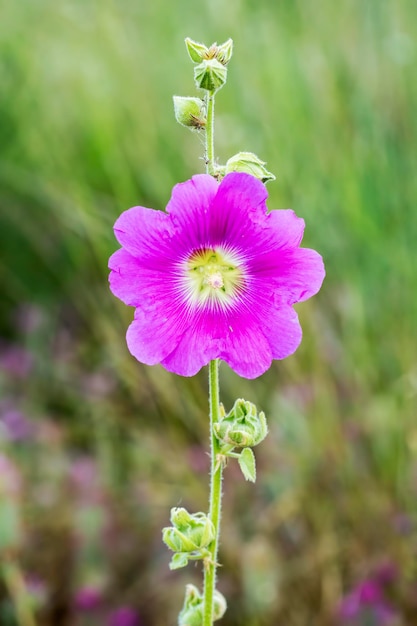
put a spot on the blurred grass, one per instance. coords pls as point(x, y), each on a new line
point(325, 93)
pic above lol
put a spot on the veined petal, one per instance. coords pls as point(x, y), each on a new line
point(238, 206)
point(125, 277)
point(155, 331)
point(143, 232)
point(293, 275)
point(283, 331)
point(235, 337)
point(189, 209)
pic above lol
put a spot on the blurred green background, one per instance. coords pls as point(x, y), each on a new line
point(94, 447)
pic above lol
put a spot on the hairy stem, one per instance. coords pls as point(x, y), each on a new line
point(215, 496)
point(210, 133)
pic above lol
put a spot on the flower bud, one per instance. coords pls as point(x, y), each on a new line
point(242, 426)
point(210, 75)
point(192, 611)
point(250, 164)
point(199, 52)
point(219, 605)
point(188, 533)
point(189, 112)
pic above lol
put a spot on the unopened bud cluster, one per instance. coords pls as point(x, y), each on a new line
point(243, 427)
point(192, 612)
point(210, 74)
point(188, 537)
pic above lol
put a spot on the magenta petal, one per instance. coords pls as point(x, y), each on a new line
point(143, 232)
point(196, 348)
point(286, 229)
point(152, 335)
point(293, 275)
point(236, 211)
point(126, 280)
point(242, 194)
point(283, 332)
point(236, 339)
point(247, 350)
point(190, 202)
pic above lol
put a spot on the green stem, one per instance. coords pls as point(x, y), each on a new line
point(215, 496)
point(210, 133)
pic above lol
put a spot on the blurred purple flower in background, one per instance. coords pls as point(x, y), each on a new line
point(15, 361)
point(88, 598)
point(367, 603)
point(124, 616)
point(10, 478)
point(14, 425)
point(85, 479)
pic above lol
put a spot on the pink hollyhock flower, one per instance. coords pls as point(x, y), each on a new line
point(216, 276)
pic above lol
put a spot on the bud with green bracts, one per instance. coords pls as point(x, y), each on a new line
point(249, 163)
point(188, 533)
point(199, 52)
point(189, 112)
point(192, 611)
point(242, 427)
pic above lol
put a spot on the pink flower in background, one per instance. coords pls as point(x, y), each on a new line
point(367, 604)
point(124, 616)
point(14, 425)
point(88, 598)
point(214, 277)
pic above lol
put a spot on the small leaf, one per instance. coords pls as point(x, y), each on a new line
point(179, 560)
point(247, 464)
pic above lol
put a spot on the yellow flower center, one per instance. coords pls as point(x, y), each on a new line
point(213, 275)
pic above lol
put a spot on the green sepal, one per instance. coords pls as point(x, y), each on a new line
point(224, 52)
point(179, 560)
point(192, 611)
point(247, 464)
point(242, 427)
point(210, 75)
point(189, 532)
point(177, 541)
point(249, 163)
point(197, 51)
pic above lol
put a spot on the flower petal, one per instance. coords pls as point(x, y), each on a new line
point(285, 227)
point(283, 331)
point(126, 277)
point(246, 350)
point(236, 338)
point(294, 275)
point(237, 207)
point(154, 333)
point(189, 208)
point(143, 232)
